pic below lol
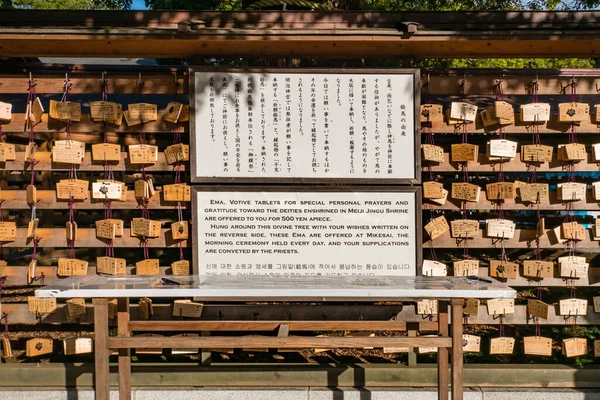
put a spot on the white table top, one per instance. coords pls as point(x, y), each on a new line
point(264, 288)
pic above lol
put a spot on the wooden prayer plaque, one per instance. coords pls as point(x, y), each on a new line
point(180, 230)
point(573, 267)
point(466, 268)
point(187, 308)
point(432, 153)
point(538, 269)
point(173, 112)
point(140, 112)
point(110, 266)
point(537, 308)
point(502, 345)
point(145, 227)
point(488, 117)
point(143, 154)
point(465, 191)
point(540, 227)
point(434, 268)
point(106, 152)
point(573, 231)
point(533, 192)
point(40, 305)
point(147, 267)
point(30, 151)
point(571, 191)
point(572, 307)
point(432, 114)
point(112, 309)
point(178, 192)
point(504, 269)
point(437, 227)
point(573, 112)
point(572, 152)
point(574, 347)
point(31, 194)
point(181, 267)
point(71, 230)
point(145, 308)
point(32, 227)
point(427, 307)
point(142, 189)
point(464, 152)
point(118, 223)
point(432, 190)
point(118, 120)
point(67, 110)
point(471, 307)
point(5, 113)
point(390, 350)
point(8, 231)
point(72, 267)
point(38, 347)
point(6, 348)
point(107, 190)
point(37, 111)
point(180, 152)
point(596, 301)
point(535, 112)
point(596, 190)
point(471, 343)
point(75, 309)
point(106, 229)
point(500, 228)
point(502, 148)
point(101, 111)
point(31, 271)
point(500, 191)
point(500, 306)
point(537, 346)
point(442, 200)
point(77, 188)
point(463, 111)
point(185, 113)
point(78, 345)
point(536, 153)
point(3, 266)
point(504, 112)
point(7, 152)
point(465, 228)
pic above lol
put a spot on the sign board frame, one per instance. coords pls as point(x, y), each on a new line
point(418, 225)
point(195, 170)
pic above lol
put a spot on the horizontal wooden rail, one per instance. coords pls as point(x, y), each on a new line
point(17, 124)
point(552, 126)
point(552, 203)
point(191, 326)
point(86, 237)
point(17, 200)
point(483, 164)
point(593, 279)
point(45, 163)
point(522, 239)
point(118, 83)
point(273, 342)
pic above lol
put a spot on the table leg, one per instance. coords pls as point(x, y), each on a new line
point(101, 378)
point(443, 351)
point(124, 354)
point(457, 349)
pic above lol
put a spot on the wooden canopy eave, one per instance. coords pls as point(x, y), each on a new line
point(280, 34)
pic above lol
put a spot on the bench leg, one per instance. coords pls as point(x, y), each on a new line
point(457, 349)
point(443, 352)
point(101, 372)
point(124, 354)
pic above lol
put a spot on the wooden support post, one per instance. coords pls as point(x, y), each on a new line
point(101, 381)
point(442, 351)
point(457, 349)
point(124, 354)
point(412, 355)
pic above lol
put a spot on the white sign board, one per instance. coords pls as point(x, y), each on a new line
point(297, 233)
point(265, 126)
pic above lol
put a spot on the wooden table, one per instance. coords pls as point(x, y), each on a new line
point(449, 291)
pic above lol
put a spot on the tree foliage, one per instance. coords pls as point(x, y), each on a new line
point(68, 4)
